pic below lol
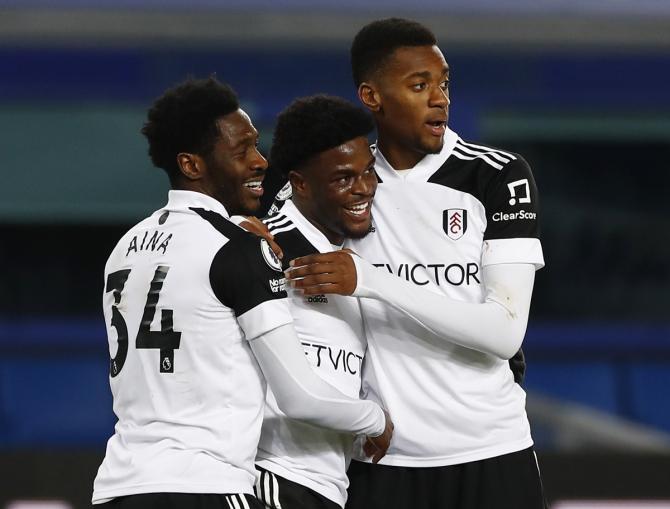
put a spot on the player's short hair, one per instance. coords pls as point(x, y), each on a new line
point(314, 124)
point(376, 41)
point(184, 119)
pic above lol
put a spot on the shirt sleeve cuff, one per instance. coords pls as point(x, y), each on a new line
point(265, 317)
point(237, 219)
point(519, 250)
point(364, 278)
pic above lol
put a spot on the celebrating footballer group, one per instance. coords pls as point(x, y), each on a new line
point(361, 346)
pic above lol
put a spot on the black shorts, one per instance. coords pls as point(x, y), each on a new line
point(511, 481)
point(182, 501)
point(276, 492)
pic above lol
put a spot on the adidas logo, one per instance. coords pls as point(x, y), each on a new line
point(318, 299)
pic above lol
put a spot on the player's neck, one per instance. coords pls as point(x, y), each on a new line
point(399, 156)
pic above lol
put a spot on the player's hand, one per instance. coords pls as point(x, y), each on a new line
point(254, 225)
point(376, 447)
point(316, 274)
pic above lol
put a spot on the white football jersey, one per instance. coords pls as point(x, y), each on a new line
point(185, 290)
point(436, 226)
point(330, 329)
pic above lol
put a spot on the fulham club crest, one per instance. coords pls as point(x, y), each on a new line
point(269, 256)
point(455, 222)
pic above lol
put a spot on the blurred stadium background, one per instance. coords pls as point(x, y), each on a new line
point(579, 87)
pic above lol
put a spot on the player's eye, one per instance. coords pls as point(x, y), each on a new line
point(418, 87)
point(444, 85)
point(246, 150)
point(343, 181)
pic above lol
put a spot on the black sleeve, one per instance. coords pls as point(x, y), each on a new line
point(245, 273)
point(511, 202)
point(294, 245)
point(274, 196)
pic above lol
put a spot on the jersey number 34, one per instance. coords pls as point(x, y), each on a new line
point(166, 340)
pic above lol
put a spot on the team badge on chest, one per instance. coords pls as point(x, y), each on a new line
point(455, 222)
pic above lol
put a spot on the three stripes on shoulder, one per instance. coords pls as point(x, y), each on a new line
point(470, 151)
point(279, 223)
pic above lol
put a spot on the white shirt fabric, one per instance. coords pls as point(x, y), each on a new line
point(186, 292)
point(331, 332)
point(192, 428)
point(302, 395)
point(496, 326)
point(437, 226)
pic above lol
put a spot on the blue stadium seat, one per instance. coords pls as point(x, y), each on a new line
point(589, 383)
point(56, 401)
point(649, 385)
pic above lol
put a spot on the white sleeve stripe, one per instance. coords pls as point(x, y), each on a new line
point(286, 228)
point(274, 219)
point(266, 488)
point(284, 220)
point(243, 499)
point(488, 149)
point(472, 158)
point(464, 148)
point(494, 157)
point(230, 506)
point(236, 504)
point(275, 498)
point(259, 488)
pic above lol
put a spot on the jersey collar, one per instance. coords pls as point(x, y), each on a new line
point(423, 169)
point(311, 232)
point(180, 200)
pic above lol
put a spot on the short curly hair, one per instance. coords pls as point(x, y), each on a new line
point(314, 124)
point(376, 41)
point(184, 119)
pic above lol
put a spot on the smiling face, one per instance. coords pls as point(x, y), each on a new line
point(234, 168)
point(334, 190)
point(409, 96)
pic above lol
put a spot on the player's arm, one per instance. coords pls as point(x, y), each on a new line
point(496, 326)
point(257, 227)
point(511, 253)
point(247, 278)
point(303, 395)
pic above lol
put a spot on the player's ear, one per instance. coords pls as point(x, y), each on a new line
point(191, 165)
point(369, 96)
point(298, 182)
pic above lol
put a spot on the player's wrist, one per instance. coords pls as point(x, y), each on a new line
point(364, 273)
point(380, 423)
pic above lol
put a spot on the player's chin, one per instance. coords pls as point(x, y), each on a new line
point(250, 206)
point(356, 230)
point(432, 145)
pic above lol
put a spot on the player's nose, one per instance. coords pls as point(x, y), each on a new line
point(364, 185)
point(259, 163)
point(439, 98)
